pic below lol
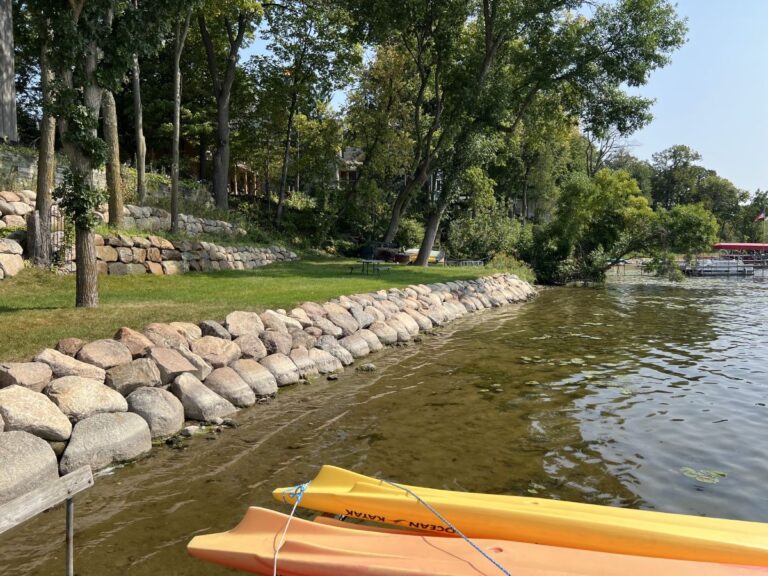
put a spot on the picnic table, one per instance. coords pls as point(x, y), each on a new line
point(368, 267)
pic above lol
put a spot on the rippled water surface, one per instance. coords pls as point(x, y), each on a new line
point(642, 394)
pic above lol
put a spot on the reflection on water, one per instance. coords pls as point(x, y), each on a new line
point(592, 395)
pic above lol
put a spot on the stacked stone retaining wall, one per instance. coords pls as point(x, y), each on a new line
point(102, 402)
point(122, 254)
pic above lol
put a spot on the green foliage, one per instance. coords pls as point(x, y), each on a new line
point(687, 229)
point(507, 263)
point(79, 200)
point(410, 233)
point(664, 265)
point(485, 234)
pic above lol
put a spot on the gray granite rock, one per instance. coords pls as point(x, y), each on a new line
point(190, 331)
point(356, 345)
point(241, 323)
point(303, 340)
point(251, 346)
point(261, 380)
point(170, 363)
point(200, 402)
point(282, 368)
point(23, 409)
point(306, 366)
point(421, 320)
point(202, 368)
point(63, 365)
point(162, 411)
point(79, 398)
point(277, 342)
point(216, 351)
point(105, 353)
point(213, 328)
point(26, 462)
point(69, 346)
point(409, 323)
point(104, 439)
point(136, 374)
point(361, 316)
point(325, 362)
point(332, 346)
point(165, 336)
point(32, 375)
point(374, 344)
point(273, 322)
point(345, 321)
point(328, 328)
point(228, 384)
point(403, 335)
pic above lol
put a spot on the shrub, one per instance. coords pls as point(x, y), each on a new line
point(410, 234)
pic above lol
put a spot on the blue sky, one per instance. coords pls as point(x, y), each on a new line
point(713, 97)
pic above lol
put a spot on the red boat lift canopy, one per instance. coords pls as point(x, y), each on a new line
point(750, 247)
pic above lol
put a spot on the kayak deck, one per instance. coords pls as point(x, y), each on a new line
point(315, 549)
point(536, 520)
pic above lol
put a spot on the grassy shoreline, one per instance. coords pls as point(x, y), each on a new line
point(37, 308)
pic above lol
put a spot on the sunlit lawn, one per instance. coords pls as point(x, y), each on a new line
point(37, 308)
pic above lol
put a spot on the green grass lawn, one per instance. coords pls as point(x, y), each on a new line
point(37, 308)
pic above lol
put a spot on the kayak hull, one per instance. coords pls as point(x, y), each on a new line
point(536, 520)
point(313, 549)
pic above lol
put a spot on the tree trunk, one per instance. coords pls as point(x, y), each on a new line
point(40, 244)
point(398, 208)
point(114, 179)
point(141, 143)
point(87, 273)
point(430, 234)
point(7, 75)
point(202, 157)
point(286, 159)
point(221, 154)
point(181, 37)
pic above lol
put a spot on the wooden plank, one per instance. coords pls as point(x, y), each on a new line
point(41, 499)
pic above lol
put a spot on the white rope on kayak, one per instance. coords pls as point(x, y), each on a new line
point(296, 492)
point(454, 528)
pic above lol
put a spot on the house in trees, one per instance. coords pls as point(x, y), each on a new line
point(348, 166)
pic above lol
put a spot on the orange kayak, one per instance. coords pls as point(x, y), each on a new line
point(318, 549)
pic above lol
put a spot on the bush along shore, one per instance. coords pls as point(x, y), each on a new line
point(104, 402)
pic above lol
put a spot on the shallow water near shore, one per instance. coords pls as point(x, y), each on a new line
point(642, 394)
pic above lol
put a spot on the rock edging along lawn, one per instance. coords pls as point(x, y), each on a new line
point(102, 402)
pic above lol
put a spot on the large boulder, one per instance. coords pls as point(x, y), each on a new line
point(228, 384)
point(345, 321)
point(165, 335)
point(325, 362)
point(403, 335)
point(306, 366)
point(251, 346)
point(277, 342)
point(384, 332)
point(200, 402)
point(213, 328)
point(243, 323)
point(374, 344)
point(303, 340)
point(11, 264)
point(202, 368)
point(105, 353)
point(32, 375)
point(63, 365)
point(162, 411)
point(273, 321)
point(423, 322)
point(332, 346)
point(261, 380)
point(26, 462)
point(104, 439)
point(216, 351)
point(409, 323)
point(361, 316)
point(190, 331)
point(170, 363)
point(78, 398)
point(23, 409)
point(282, 368)
point(69, 346)
point(135, 341)
point(328, 328)
point(313, 310)
point(356, 345)
point(301, 316)
point(137, 374)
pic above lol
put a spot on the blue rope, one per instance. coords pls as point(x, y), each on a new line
point(447, 523)
point(297, 493)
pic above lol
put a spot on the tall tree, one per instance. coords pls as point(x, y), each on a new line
point(676, 175)
point(236, 19)
point(141, 143)
point(181, 29)
point(7, 76)
point(114, 177)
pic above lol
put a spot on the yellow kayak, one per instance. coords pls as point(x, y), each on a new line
point(535, 520)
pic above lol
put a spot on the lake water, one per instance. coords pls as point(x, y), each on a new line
point(642, 394)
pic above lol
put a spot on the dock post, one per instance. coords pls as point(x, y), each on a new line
point(70, 537)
